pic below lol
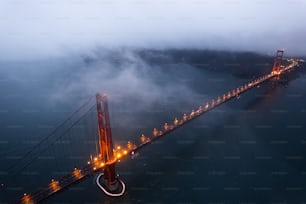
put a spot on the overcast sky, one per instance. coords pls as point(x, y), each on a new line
point(44, 28)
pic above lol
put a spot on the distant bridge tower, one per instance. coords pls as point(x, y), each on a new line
point(110, 184)
point(277, 62)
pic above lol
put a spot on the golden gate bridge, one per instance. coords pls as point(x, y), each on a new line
point(104, 163)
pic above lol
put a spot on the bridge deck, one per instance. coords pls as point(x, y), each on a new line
point(97, 165)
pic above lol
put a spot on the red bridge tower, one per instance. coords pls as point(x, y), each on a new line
point(277, 62)
point(110, 183)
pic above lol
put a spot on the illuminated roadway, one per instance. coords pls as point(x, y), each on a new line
point(96, 165)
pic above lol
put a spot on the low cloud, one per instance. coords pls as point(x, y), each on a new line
point(36, 29)
point(125, 76)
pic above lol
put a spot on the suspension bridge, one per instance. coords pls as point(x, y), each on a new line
point(104, 163)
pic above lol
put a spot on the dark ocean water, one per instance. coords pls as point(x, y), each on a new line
point(249, 150)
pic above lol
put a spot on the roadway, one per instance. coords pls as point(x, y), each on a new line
point(96, 165)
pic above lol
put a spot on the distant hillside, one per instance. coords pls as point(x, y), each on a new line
point(240, 64)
